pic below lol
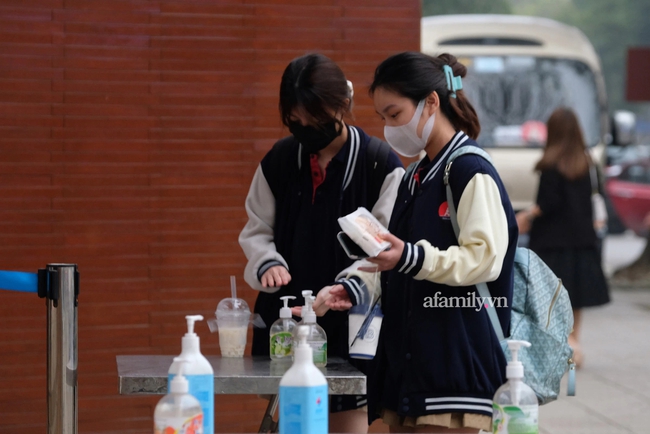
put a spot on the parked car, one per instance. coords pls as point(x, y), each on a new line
point(628, 188)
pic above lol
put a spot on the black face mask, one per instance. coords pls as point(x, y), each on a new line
point(314, 139)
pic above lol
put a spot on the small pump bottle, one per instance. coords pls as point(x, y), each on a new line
point(178, 411)
point(516, 409)
point(198, 372)
point(281, 333)
point(303, 406)
point(316, 338)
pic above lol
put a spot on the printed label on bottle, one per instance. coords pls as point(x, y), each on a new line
point(511, 419)
point(202, 388)
point(281, 344)
point(319, 351)
point(180, 425)
point(303, 410)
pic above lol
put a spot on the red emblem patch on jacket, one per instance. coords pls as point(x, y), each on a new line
point(443, 211)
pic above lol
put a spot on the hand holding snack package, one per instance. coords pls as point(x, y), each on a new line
point(365, 230)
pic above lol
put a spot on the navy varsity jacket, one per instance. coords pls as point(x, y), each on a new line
point(294, 225)
point(438, 352)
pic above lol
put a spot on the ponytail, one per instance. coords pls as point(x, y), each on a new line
point(416, 75)
point(461, 113)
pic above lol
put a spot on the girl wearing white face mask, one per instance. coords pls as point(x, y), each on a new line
point(438, 361)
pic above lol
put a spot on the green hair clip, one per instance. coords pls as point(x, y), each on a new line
point(454, 82)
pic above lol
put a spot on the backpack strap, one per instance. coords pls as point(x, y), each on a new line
point(457, 153)
point(571, 383)
point(408, 174)
point(482, 287)
point(377, 153)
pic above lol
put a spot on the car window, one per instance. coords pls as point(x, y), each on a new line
point(636, 173)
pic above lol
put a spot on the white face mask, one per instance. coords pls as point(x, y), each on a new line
point(404, 139)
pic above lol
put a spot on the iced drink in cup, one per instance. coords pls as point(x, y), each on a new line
point(233, 316)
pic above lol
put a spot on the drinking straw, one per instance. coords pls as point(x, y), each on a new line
point(233, 287)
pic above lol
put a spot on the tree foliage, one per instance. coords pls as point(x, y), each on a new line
point(612, 26)
point(446, 7)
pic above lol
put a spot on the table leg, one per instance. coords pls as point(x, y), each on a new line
point(268, 424)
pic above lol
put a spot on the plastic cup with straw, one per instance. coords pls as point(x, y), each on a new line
point(233, 316)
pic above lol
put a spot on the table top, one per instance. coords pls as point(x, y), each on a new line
point(147, 375)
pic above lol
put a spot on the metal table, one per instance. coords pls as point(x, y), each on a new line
point(147, 375)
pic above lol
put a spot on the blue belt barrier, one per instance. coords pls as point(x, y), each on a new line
point(19, 281)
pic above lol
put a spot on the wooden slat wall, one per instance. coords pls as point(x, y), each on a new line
point(129, 133)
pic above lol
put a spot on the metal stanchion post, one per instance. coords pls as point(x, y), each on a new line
point(59, 284)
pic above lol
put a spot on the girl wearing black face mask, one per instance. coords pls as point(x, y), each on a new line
point(324, 170)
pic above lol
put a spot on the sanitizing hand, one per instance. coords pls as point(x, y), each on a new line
point(339, 299)
point(320, 305)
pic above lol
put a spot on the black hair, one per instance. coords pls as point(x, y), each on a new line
point(315, 83)
point(416, 75)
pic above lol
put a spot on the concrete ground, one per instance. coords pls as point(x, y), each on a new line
point(613, 386)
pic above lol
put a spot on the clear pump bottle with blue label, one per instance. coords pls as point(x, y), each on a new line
point(198, 372)
point(303, 406)
point(178, 411)
point(516, 409)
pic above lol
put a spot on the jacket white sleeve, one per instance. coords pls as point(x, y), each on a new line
point(382, 210)
point(387, 195)
point(257, 237)
point(483, 241)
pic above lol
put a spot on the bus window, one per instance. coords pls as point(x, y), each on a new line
point(515, 95)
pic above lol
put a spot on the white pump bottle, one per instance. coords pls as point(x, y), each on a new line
point(516, 409)
point(198, 372)
point(178, 411)
point(316, 338)
point(303, 392)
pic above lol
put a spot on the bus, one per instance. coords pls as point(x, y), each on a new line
point(520, 69)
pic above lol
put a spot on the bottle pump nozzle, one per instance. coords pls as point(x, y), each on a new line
point(179, 383)
point(515, 369)
point(285, 312)
point(306, 294)
point(303, 352)
point(190, 323)
point(308, 313)
point(303, 332)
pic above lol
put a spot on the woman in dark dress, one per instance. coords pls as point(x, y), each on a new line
point(561, 223)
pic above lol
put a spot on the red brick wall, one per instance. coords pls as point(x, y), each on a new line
point(129, 132)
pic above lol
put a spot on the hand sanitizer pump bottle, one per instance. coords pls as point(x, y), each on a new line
point(303, 404)
point(516, 409)
point(316, 338)
point(281, 333)
point(178, 411)
point(198, 372)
